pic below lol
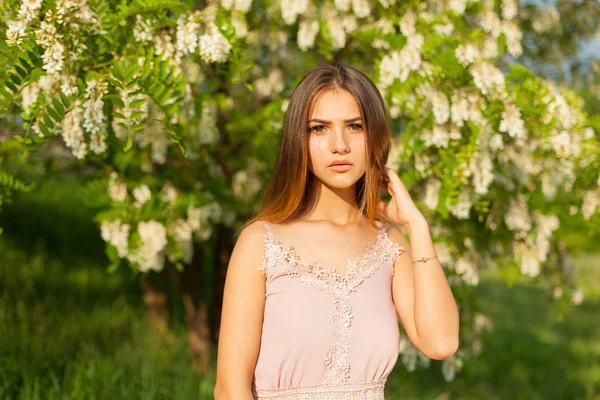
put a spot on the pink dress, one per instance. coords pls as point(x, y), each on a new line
point(327, 335)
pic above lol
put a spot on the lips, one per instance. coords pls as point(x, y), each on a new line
point(339, 163)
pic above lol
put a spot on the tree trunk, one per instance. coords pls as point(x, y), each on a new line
point(155, 296)
point(191, 285)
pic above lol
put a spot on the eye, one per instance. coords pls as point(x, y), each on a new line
point(316, 128)
point(356, 127)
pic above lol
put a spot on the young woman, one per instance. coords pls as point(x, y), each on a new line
point(317, 280)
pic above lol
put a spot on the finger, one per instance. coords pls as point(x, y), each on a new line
point(382, 207)
point(395, 181)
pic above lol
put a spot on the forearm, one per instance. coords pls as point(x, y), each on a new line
point(232, 392)
point(435, 310)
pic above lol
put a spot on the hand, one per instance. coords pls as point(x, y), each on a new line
point(401, 209)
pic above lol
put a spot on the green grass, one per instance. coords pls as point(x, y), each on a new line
point(76, 332)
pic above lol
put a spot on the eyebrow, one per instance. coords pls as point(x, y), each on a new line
point(322, 121)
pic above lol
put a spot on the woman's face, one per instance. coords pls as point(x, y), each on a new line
point(336, 134)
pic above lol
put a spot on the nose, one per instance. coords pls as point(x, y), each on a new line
point(339, 140)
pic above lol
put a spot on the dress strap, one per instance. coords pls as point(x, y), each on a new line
point(269, 230)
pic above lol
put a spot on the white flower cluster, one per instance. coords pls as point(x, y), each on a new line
point(590, 202)
point(546, 20)
point(72, 133)
point(93, 115)
point(431, 192)
point(398, 64)
point(466, 106)
point(481, 323)
point(509, 9)
point(169, 193)
point(452, 364)
point(29, 11)
point(458, 6)
point(246, 182)
point(493, 25)
point(466, 269)
point(151, 254)
point(290, 9)
point(117, 190)
point(361, 8)
point(198, 218)
point(188, 30)
point(462, 208)
point(239, 5)
point(182, 232)
point(144, 30)
point(269, 85)
point(48, 37)
point(488, 78)
point(577, 296)
point(517, 217)
point(511, 121)
point(533, 251)
point(117, 234)
point(307, 32)
point(481, 168)
point(141, 194)
point(214, 47)
point(238, 21)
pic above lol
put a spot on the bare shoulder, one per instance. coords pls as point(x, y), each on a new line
point(249, 245)
point(396, 235)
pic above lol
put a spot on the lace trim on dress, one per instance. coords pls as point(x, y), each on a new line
point(340, 285)
point(354, 391)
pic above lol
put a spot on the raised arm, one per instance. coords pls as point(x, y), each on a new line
point(241, 318)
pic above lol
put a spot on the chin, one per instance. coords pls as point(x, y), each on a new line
point(339, 181)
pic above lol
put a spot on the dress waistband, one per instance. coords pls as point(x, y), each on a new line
point(352, 391)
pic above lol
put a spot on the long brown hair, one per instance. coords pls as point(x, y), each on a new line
point(293, 189)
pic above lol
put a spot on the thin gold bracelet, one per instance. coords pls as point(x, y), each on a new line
point(424, 259)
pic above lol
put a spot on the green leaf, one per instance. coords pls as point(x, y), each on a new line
point(12, 87)
point(20, 71)
point(59, 108)
point(115, 99)
point(25, 65)
point(48, 121)
point(43, 128)
point(15, 78)
point(54, 114)
point(137, 103)
point(7, 94)
point(65, 100)
point(128, 144)
point(118, 115)
point(137, 114)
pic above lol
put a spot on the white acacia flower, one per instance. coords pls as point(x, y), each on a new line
point(450, 366)
point(72, 132)
point(214, 47)
point(141, 194)
point(116, 233)
point(150, 255)
point(307, 32)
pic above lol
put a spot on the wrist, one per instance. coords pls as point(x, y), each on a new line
point(419, 223)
